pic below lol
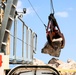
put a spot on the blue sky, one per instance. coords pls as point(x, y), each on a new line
point(65, 14)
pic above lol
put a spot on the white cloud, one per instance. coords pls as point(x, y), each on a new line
point(19, 6)
point(29, 11)
point(63, 14)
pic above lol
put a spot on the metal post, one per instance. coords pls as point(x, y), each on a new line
point(0, 1)
point(35, 41)
point(27, 35)
point(31, 45)
point(15, 38)
point(23, 41)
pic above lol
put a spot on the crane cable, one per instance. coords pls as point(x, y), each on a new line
point(52, 10)
point(36, 13)
point(52, 7)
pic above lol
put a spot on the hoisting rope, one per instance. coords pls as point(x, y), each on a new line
point(52, 7)
point(36, 13)
point(52, 11)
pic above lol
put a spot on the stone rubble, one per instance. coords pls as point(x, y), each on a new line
point(37, 62)
point(70, 64)
point(68, 68)
point(64, 68)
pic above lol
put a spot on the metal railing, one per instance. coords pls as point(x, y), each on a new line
point(23, 43)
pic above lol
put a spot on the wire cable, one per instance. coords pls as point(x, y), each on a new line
point(36, 13)
point(52, 7)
